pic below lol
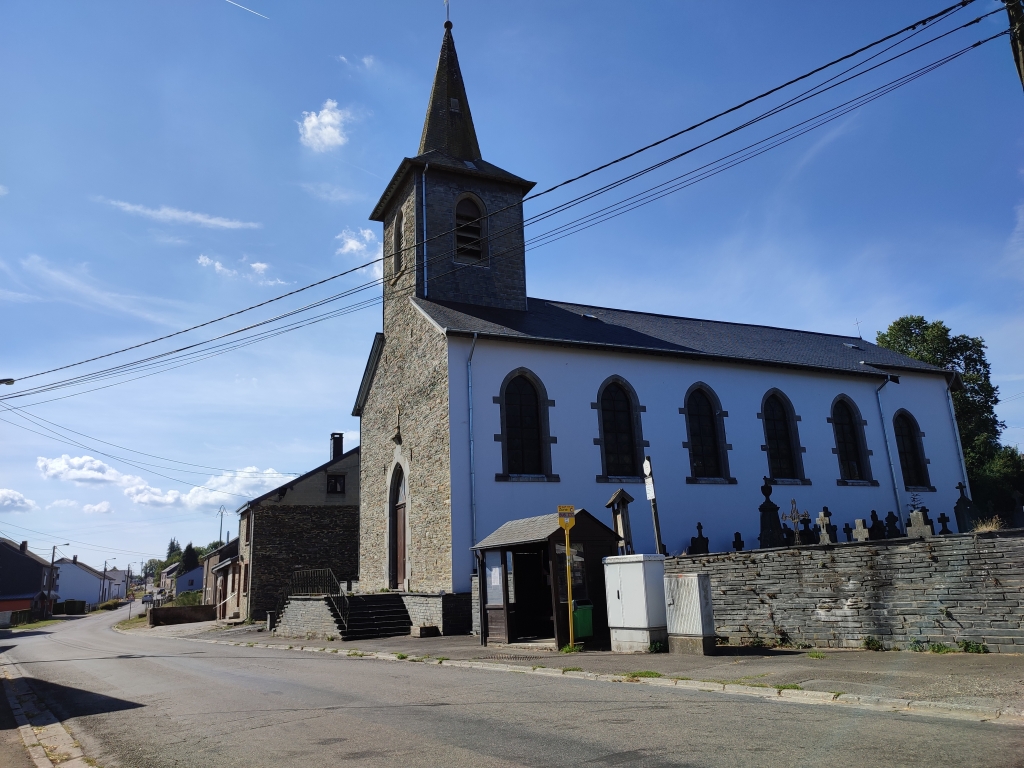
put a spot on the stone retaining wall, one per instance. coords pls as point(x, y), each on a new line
point(450, 613)
point(940, 589)
point(307, 617)
point(185, 614)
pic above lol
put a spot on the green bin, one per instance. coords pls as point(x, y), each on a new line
point(583, 618)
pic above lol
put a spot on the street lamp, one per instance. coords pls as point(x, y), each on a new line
point(6, 381)
point(53, 554)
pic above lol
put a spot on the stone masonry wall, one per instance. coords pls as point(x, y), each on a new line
point(450, 612)
point(941, 589)
point(309, 617)
point(289, 538)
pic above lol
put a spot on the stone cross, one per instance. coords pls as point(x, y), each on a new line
point(920, 527)
point(892, 526)
point(698, 543)
point(737, 542)
point(848, 531)
point(860, 530)
point(943, 519)
point(828, 531)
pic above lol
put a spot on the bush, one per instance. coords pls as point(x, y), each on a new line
point(941, 648)
point(187, 598)
point(570, 648)
point(872, 643)
point(816, 655)
point(968, 646)
point(917, 646)
point(644, 673)
point(110, 605)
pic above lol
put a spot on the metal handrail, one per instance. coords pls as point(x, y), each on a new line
point(321, 582)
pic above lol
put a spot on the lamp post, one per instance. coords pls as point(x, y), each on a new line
point(53, 555)
point(103, 581)
point(10, 381)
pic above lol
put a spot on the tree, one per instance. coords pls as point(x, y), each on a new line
point(189, 559)
point(152, 568)
point(172, 548)
point(993, 470)
point(204, 551)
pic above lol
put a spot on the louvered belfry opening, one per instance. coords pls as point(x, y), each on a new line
point(469, 230)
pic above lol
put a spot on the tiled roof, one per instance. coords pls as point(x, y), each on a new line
point(563, 323)
point(524, 531)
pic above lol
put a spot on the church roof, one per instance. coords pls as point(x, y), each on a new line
point(581, 325)
point(448, 126)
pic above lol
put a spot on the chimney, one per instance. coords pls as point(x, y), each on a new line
point(24, 547)
point(74, 559)
point(337, 445)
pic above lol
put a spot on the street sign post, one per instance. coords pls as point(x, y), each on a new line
point(566, 520)
point(649, 484)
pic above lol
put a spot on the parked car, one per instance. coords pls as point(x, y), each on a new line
point(147, 598)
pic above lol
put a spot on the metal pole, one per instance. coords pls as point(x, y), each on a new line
point(888, 450)
point(472, 457)
point(49, 591)
point(568, 587)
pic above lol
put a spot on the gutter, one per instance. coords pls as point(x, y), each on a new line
point(888, 449)
point(423, 194)
point(472, 457)
point(959, 447)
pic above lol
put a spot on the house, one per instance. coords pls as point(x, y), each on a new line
point(79, 581)
point(119, 584)
point(480, 405)
point(192, 581)
point(167, 579)
point(309, 523)
point(25, 587)
point(220, 579)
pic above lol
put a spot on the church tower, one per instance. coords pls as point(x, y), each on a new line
point(453, 222)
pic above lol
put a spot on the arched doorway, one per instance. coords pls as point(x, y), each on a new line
point(396, 527)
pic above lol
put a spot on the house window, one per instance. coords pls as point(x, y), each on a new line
point(248, 519)
point(781, 439)
point(851, 447)
point(399, 242)
point(911, 451)
point(469, 230)
point(525, 438)
point(620, 428)
point(522, 428)
point(705, 430)
point(335, 483)
point(245, 580)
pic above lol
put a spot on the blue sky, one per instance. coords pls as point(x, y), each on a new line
point(164, 163)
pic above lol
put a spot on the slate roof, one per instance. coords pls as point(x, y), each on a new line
point(87, 568)
point(27, 553)
point(524, 531)
point(582, 325)
point(282, 488)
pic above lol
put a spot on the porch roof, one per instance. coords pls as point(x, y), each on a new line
point(527, 530)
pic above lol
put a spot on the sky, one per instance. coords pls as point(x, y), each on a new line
point(166, 163)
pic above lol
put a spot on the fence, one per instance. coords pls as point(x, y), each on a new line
point(321, 582)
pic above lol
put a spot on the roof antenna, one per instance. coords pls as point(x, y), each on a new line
point(447, 14)
point(857, 323)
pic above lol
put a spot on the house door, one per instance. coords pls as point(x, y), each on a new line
point(398, 524)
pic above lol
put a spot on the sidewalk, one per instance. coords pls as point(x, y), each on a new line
point(972, 680)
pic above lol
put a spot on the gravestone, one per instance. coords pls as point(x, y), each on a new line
point(964, 510)
point(737, 542)
point(1018, 510)
point(920, 526)
point(943, 519)
point(771, 529)
point(892, 526)
point(860, 530)
point(804, 534)
point(698, 543)
point(827, 531)
point(788, 536)
point(848, 531)
point(877, 527)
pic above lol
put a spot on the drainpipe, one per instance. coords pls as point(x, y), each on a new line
point(423, 194)
point(888, 450)
point(956, 435)
point(472, 458)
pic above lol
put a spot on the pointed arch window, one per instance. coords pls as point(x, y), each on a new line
point(851, 447)
point(911, 452)
point(782, 441)
point(621, 431)
point(705, 429)
point(525, 437)
point(469, 230)
point(397, 258)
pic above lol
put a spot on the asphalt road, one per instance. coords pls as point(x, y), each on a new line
point(153, 702)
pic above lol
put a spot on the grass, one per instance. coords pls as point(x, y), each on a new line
point(917, 646)
point(401, 656)
point(357, 654)
point(644, 673)
point(441, 658)
point(788, 687)
point(816, 655)
point(987, 526)
point(941, 648)
point(872, 643)
point(968, 646)
point(572, 669)
point(36, 624)
point(682, 678)
point(570, 648)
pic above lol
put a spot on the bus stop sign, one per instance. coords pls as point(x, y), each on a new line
point(566, 516)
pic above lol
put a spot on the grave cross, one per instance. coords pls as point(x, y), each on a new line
point(943, 519)
point(828, 531)
point(737, 542)
point(892, 526)
point(860, 530)
point(848, 531)
point(698, 543)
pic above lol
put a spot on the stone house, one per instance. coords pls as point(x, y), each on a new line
point(220, 575)
point(480, 405)
point(310, 522)
point(168, 577)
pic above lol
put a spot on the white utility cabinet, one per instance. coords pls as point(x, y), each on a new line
point(635, 591)
point(690, 615)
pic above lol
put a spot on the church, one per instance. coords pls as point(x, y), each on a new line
point(480, 405)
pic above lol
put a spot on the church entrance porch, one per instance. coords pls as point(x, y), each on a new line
point(523, 596)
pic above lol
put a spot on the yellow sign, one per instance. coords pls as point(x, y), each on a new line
point(566, 516)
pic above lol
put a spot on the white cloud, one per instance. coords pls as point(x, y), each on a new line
point(259, 267)
point(177, 216)
point(12, 501)
point(103, 508)
point(324, 130)
point(3, 190)
point(62, 503)
point(86, 470)
point(369, 61)
point(364, 246)
point(330, 192)
point(220, 269)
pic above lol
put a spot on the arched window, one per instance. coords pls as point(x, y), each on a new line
point(702, 426)
point(469, 230)
point(399, 238)
point(397, 529)
point(781, 440)
point(851, 449)
point(522, 428)
point(908, 444)
point(617, 428)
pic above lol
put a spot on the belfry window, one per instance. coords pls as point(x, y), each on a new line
point(912, 460)
point(469, 230)
point(397, 257)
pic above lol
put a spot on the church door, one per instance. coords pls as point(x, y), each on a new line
point(397, 548)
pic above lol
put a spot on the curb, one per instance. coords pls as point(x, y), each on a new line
point(1007, 716)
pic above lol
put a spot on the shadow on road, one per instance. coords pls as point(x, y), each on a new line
point(66, 702)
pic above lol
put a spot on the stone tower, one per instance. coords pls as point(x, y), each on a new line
point(453, 233)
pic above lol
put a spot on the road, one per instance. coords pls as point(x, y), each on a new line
point(155, 702)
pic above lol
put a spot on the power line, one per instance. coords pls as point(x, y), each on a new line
point(81, 543)
point(920, 23)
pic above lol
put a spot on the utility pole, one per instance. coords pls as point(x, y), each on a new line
point(49, 583)
point(220, 512)
point(103, 581)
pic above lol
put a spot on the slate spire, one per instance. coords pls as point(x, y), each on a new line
point(448, 127)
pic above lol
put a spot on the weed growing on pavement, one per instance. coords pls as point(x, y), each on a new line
point(837, 694)
point(644, 673)
point(917, 646)
point(538, 666)
point(941, 648)
point(816, 655)
point(572, 669)
point(357, 654)
point(872, 643)
point(682, 678)
point(441, 658)
point(657, 647)
point(401, 656)
point(968, 646)
point(570, 648)
point(788, 687)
